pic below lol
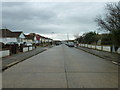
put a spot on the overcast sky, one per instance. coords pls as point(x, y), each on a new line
point(47, 17)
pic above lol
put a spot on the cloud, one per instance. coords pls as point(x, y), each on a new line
point(48, 17)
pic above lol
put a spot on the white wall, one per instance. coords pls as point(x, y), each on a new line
point(99, 47)
point(30, 48)
point(4, 53)
point(28, 40)
point(103, 48)
point(106, 48)
point(118, 51)
point(93, 46)
point(25, 49)
point(89, 46)
point(85, 45)
point(35, 38)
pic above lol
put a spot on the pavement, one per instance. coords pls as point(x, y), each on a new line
point(62, 67)
point(114, 57)
point(16, 58)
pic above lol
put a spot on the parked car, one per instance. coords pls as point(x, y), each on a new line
point(70, 44)
point(28, 44)
point(58, 43)
point(12, 43)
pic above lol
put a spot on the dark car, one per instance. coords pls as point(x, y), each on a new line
point(12, 43)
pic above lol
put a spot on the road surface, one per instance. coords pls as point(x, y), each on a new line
point(62, 67)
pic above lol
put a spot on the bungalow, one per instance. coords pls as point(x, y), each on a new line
point(42, 39)
point(9, 36)
point(46, 40)
point(32, 38)
point(50, 40)
point(36, 38)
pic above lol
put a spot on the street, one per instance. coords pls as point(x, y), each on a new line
point(62, 67)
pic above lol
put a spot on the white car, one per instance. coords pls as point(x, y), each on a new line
point(70, 44)
point(28, 44)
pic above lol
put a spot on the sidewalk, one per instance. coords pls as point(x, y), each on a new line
point(16, 58)
point(105, 55)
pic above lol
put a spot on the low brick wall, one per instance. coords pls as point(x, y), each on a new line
point(30, 48)
point(98, 47)
point(25, 49)
point(118, 50)
point(4, 53)
point(106, 48)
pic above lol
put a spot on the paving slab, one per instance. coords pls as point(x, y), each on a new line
point(93, 80)
point(34, 80)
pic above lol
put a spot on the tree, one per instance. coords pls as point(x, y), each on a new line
point(79, 39)
point(106, 39)
point(90, 37)
point(111, 22)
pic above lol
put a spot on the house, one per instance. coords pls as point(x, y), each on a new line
point(9, 36)
point(42, 39)
point(50, 40)
point(32, 38)
point(36, 38)
point(46, 40)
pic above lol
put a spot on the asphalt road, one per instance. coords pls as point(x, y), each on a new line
point(62, 67)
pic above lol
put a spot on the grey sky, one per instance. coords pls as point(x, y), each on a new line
point(47, 17)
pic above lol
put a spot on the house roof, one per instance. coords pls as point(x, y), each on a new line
point(29, 37)
point(8, 33)
point(32, 35)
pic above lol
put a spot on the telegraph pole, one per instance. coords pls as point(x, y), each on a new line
point(68, 36)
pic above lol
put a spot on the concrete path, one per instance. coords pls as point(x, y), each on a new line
point(105, 55)
point(62, 67)
point(16, 58)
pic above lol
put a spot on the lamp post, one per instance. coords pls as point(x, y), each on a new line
point(68, 37)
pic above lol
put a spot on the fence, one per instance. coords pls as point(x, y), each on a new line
point(99, 47)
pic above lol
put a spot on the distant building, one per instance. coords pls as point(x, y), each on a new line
point(35, 38)
point(9, 36)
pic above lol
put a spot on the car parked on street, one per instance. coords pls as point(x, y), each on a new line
point(70, 44)
point(28, 44)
